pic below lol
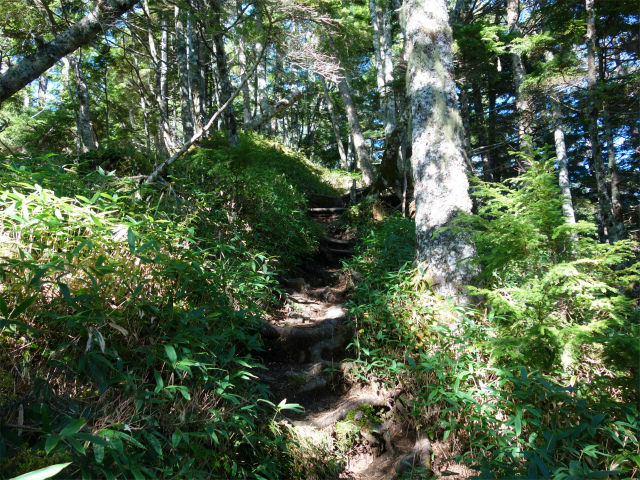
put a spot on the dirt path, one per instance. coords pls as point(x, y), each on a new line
point(307, 340)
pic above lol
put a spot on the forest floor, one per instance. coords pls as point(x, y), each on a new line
point(307, 363)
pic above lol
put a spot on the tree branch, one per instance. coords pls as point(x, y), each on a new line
point(271, 112)
point(45, 56)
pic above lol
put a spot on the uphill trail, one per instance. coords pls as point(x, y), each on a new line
point(307, 363)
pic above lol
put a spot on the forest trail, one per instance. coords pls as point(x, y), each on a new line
point(307, 338)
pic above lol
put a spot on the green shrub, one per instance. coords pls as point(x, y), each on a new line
point(135, 313)
point(550, 291)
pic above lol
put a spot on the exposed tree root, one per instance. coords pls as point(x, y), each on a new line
point(330, 418)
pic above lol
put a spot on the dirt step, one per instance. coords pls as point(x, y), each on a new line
point(324, 210)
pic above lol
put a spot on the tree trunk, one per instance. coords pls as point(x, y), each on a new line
point(377, 57)
point(45, 56)
point(242, 61)
point(43, 82)
point(160, 84)
point(196, 79)
point(334, 124)
point(493, 159)
point(596, 150)
point(350, 155)
point(261, 72)
point(563, 168)
point(466, 127)
point(362, 155)
point(383, 58)
point(182, 59)
point(87, 140)
point(522, 103)
point(271, 112)
point(387, 60)
point(616, 202)
point(389, 175)
point(225, 84)
point(441, 186)
point(480, 124)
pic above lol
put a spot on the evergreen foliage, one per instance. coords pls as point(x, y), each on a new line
point(542, 382)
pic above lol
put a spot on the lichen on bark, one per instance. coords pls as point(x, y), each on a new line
point(441, 185)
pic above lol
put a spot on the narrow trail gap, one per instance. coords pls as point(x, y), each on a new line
point(306, 342)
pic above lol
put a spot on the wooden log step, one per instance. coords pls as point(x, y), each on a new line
point(338, 241)
point(326, 210)
point(339, 251)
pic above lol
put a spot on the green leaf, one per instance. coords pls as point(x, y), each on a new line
point(96, 220)
point(3, 308)
point(92, 438)
point(73, 427)
point(523, 374)
point(98, 453)
point(46, 424)
point(131, 238)
point(76, 251)
point(43, 473)
point(159, 381)
point(137, 474)
point(543, 468)
point(171, 353)
point(64, 290)
point(39, 274)
point(155, 443)
point(518, 424)
point(597, 419)
point(51, 443)
point(23, 306)
point(185, 392)
point(77, 445)
point(176, 438)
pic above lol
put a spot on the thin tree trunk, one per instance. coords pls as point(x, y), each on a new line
point(334, 124)
point(563, 167)
point(196, 86)
point(107, 126)
point(616, 201)
point(225, 84)
point(182, 59)
point(160, 84)
point(387, 60)
point(466, 128)
point(478, 107)
point(603, 195)
point(459, 11)
point(362, 155)
point(198, 134)
point(43, 82)
point(522, 103)
point(350, 154)
point(441, 186)
point(84, 113)
point(263, 97)
point(242, 61)
point(377, 57)
point(494, 164)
